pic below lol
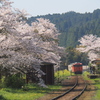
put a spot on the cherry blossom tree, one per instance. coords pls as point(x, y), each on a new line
point(91, 45)
point(48, 40)
point(24, 47)
point(18, 51)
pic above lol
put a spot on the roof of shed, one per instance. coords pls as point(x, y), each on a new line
point(96, 61)
point(47, 63)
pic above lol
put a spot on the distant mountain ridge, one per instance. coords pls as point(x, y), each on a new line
point(73, 25)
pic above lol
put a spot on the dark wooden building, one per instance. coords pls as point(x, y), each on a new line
point(96, 61)
point(48, 69)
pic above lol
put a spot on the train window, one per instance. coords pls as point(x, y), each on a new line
point(77, 65)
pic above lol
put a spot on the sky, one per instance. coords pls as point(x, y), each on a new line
point(44, 7)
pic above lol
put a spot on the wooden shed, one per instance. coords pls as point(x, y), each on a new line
point(96, 61)
point(48, 69)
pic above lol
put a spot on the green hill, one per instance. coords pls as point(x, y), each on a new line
point(73, 25)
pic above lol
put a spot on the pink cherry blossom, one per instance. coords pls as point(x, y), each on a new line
point(91, 45)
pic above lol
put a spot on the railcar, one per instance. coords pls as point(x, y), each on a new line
point(75, 68)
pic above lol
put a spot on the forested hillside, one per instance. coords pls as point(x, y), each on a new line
point(74, 25)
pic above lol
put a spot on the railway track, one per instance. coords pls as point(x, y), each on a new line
point(74, 92)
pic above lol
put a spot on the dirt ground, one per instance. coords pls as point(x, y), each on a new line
point(87, 95)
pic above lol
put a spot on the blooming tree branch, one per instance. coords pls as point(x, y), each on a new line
point(24, 47)
point(91, 45)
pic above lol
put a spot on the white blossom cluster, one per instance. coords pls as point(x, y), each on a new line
point(91, 45)
point(23, 46)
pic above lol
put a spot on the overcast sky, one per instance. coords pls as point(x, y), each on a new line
point(43, 7)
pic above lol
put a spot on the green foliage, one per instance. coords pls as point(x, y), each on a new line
point(76, 56)
point(2, 98)
point(14, 81)
point(61, 75)
point(2, 82)
point(85, 75)
point(34, 92)
point(73, 25)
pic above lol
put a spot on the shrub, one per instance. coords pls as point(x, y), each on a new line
point(2, 82)
point(61, 75)
point(2, 98)
point(14, 81)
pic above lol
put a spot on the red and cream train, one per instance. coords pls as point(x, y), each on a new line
point(75, 68)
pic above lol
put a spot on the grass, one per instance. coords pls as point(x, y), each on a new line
point(31, 91)
point(96, 83)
